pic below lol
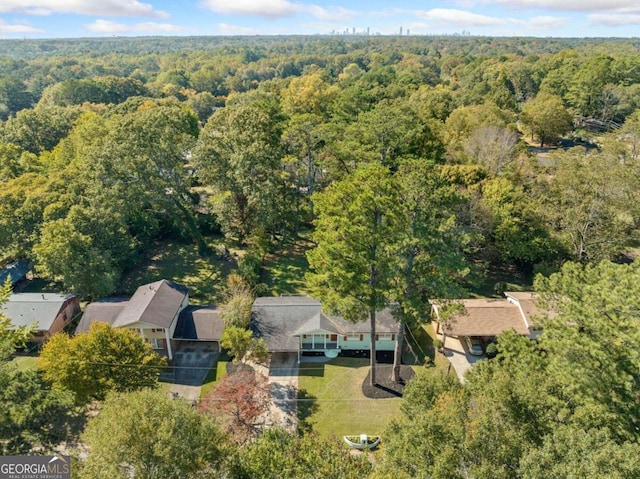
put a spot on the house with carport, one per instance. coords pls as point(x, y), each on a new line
point(297, 324)
point(489, 317)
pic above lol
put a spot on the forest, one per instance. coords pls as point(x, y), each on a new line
point(416, 166)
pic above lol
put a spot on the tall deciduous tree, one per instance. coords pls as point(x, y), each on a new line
point(303, 137)
point(239, 154)
point(390, 131)
point(357, 230)
point(105, 359)
point(148, 435)
point(493, 147)
point(86, 250)
point(546, 118)
point(146, 151)
point(590, 203)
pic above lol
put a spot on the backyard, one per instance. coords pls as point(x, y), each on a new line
point(181, 262)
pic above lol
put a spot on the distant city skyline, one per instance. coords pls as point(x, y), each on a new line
point(541, 18)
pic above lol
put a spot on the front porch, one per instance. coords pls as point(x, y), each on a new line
point(318, 342)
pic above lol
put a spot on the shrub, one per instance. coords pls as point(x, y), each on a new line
point(491, 350)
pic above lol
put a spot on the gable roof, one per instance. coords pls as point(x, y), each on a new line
point(155, 303)
point(25, 309)
point(200, 323)
point(106, 311)
point(486, 317)
point(281, 320)
point(318, 322)
point(276, 319)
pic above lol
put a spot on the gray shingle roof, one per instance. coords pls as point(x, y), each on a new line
point(105, 310)
point(24, 309)
point(155, 303)
point(279, 321)
point(200, 323)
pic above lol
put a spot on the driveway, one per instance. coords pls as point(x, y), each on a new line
point(283, 377)
point(459, 357)
point(192, 361)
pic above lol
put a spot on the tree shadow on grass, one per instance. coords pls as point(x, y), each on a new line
point(312, 369)
point(307, 407)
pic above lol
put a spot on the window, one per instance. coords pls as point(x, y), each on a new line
point(157, 330)
point(334, 337)
point(353, 337)
point(157, 343)
point(385, 336)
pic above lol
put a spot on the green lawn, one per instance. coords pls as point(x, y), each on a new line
point(181, 262)
point(284, 270)
point(217, 372)
point(332, 403)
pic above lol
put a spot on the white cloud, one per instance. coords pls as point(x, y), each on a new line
point(273, 9)
point(227, 29)
point(542, 22)
point(570, 5)
point(17, 28)
point(258, 8)
point(114, 28)
point(459, 17)
point(125, 8)
point(615, 20)
point(331, 14)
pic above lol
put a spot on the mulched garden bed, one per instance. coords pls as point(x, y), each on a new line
point(385, 388)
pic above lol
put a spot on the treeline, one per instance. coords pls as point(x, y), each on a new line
point(102, 153)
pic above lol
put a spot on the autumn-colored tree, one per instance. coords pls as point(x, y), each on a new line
point(243, 397)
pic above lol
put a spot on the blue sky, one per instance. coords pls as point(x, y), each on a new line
point(95, 18)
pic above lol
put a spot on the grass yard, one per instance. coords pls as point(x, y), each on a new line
point(180, 262)
point(420, 341)
point(500, 278)
point(215, 373)
point(284, 270)
point(332, 400)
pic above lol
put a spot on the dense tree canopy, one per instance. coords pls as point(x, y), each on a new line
point(102, 360)
point(538, 406)
point(407, 160)
point(117, 136)
point(146, 434)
